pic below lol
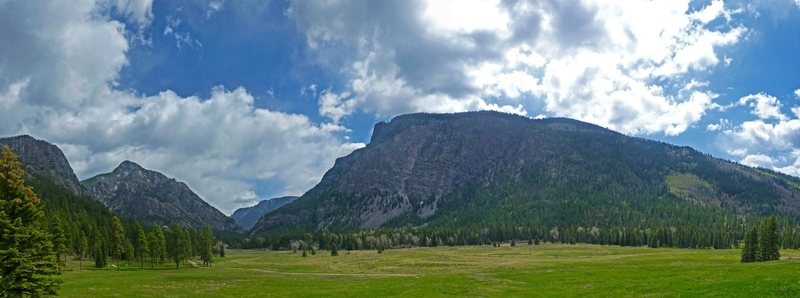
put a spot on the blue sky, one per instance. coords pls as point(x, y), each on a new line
point(248, 100)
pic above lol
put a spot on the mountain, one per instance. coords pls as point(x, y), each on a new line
point(151, 197)
point(248, 216)
point(489, 169)
point(44, 160)
point(48, 172)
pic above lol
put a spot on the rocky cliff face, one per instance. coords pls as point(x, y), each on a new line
point(149, 196)
point(43, 159)
point(420, 167)
point(248, 216)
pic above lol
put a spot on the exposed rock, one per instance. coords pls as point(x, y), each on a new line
point(43, 159)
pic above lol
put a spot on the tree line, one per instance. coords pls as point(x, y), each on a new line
point(39, 236)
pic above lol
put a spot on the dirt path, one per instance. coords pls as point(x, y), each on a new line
point(330, 274)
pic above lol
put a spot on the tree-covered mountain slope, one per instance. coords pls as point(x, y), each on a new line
point(43, 160)
point(248, 216)
point(488, 169)
point(149, 196)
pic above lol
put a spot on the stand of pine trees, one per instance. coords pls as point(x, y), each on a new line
point(762, 246)
point(45, 225)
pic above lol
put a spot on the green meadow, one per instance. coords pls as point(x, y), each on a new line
point(544, 270)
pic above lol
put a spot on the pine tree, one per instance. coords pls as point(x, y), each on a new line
point(158, 245)
point(751, 247)
point(770, 243)
point(176, 244)
point(334, 247)
point(59, 241)
point(206, 246)
point(130, 252)
point(81, 245)
point(27, 259)
point(221, 250)
point(99, 255)
point(117, 239)
point(99, 250)
point(141, 245)
point(187, 244)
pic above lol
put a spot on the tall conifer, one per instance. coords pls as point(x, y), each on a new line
point(27, 259)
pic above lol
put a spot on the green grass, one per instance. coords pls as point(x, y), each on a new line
point(545, 270)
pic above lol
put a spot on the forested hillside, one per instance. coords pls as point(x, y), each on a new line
point(480, 177)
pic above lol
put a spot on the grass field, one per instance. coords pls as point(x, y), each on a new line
point(545, 270)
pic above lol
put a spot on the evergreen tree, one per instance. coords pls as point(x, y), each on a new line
point(99, 255)
point(334, 247)
point(81, 245)
point(751, 247)
point(221, 250)
point(141, 244)
point(158, 245)
point(187, 244)
point(117, 239)
point(130, 252)
point(176, 244)
point(27, 259)
point(207, 246)
point(59, 241)
point(99, 251)
point(769, 240)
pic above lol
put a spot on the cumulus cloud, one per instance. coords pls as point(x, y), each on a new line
point(771, 141)
point(758, 160)
point(591, 60)
point(764, 106)
point(57, 82)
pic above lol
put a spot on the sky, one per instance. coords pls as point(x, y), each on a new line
point(252, 99)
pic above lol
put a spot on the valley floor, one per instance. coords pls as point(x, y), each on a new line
point(544, 270)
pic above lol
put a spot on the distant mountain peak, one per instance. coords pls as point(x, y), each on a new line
point(152, 197)
point(129, 166)
point(248, 216)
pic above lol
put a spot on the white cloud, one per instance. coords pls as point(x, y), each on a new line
point(771, 141)
point(182, 38)
point(591, 60)
point(723, 124)
point(335, 106)
point(139, 11)
point(216, 144)
point(797, 92)
point(764, 106)
point(57, 82)
point(214, 6)
point(758, 160)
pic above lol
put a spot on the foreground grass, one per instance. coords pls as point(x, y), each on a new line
point(545, 270)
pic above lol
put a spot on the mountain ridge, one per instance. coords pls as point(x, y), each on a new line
point(415, 164)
